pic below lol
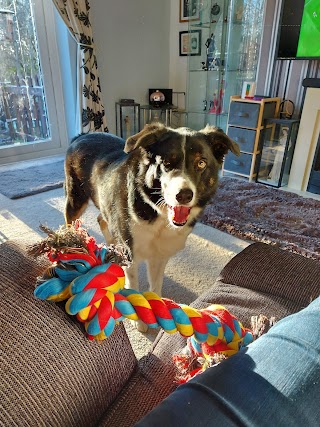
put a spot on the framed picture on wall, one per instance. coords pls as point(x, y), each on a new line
point(189, 10)
point(190, 43)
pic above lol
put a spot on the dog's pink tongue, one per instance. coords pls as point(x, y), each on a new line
point(180, 214)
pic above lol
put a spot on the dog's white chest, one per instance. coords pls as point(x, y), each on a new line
point(158, 239)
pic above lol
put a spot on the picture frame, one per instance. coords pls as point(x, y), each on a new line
point(190, 43)
point(189, 10)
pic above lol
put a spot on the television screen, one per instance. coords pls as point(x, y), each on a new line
point(309, 38)
point(299, 30)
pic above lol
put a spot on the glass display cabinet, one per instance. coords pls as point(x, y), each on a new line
point(230, 34)
point(277, 151)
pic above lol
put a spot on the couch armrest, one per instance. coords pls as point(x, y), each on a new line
point(268, 269)
point(51, 373)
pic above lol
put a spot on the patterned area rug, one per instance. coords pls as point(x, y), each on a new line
point(22, 182)
point(260, 213)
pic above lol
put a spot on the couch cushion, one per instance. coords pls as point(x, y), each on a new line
point(151, 383)
point(51, 374)
point(261, 279)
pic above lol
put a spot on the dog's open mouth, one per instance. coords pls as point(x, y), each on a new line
point(179, 214)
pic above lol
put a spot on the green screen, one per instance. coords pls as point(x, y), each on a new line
point(309, 38)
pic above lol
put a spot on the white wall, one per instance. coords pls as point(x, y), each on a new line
point(132, 41)
point(178, 64)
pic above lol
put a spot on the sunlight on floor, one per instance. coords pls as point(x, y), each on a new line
point(21, 218)
point(89, 218)
point(13, 228)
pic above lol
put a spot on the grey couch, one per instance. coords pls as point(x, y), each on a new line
point(52, 375)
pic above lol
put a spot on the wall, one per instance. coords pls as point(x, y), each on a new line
point(132, 41)
point(178, 64)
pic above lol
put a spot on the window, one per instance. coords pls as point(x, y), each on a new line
point(30, 125)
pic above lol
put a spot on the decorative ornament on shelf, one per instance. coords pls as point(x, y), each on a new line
point(213, 105)
point(202, 7)
point(205, 104)
point(204, 66)
point(126, 127)
point(210, 51)
point(156, 98)
point(217, 102)
point(238, 13)
point(215, 9)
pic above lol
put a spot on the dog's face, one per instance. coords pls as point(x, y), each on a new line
point(181, 166)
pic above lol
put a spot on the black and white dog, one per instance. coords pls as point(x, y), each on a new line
point(150, 190)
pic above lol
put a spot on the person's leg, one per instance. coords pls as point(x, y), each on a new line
point(275, 381)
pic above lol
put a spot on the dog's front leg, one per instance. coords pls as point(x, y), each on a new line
point(155, 271)
point(131, 274)
point(105, 230)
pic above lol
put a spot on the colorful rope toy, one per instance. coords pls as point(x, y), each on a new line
point(92, 284)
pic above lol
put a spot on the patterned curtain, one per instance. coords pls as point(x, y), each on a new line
point(75, 14)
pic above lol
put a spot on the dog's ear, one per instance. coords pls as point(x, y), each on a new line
point(147, 136)
point(220, 142)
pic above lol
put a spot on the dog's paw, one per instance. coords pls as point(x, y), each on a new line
point(141, 326)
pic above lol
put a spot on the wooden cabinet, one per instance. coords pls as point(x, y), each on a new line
point(245, 125)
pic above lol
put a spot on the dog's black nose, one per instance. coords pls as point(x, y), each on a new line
point(184, 196)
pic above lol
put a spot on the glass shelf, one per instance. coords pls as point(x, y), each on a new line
point(206, 112)
point(204, 25)
point(212, 24)
point(207, 71)
point(221, 70)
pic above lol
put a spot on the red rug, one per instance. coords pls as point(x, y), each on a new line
point(256, 212)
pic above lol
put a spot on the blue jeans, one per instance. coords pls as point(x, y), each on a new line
point(274, 382)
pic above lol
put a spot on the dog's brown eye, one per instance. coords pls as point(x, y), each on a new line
point(202, 164)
